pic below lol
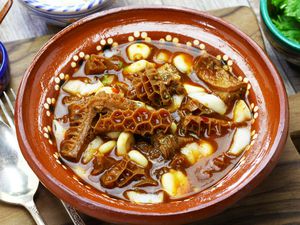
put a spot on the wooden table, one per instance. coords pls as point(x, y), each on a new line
point(275, 201)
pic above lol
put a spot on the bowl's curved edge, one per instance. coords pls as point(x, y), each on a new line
point(255, 179)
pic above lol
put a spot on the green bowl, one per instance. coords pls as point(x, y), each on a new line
point(289, 49)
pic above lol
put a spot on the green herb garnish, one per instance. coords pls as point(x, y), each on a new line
point(286, 18)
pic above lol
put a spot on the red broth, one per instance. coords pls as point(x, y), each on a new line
point(193, 172)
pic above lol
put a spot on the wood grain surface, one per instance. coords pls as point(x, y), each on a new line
point(276, 201)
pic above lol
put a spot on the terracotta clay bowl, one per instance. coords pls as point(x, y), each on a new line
point(39, 88)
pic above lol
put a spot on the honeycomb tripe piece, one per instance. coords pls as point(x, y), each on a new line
point(200, 124)
point(150, 89)
point(81, 115)
point(171, 77)
point(194, 106)
point(140, 121)
point(121, 173)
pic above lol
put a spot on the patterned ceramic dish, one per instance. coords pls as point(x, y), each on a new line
point(65, 52)
point(64, 12)
point(4, 74)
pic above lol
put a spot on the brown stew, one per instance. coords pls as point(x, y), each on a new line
point(151, 123)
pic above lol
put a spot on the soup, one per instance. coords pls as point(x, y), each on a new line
point(152, 122)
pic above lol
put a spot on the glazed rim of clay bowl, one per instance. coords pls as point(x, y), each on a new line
point(267, 93)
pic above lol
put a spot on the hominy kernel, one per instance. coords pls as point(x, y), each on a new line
point(107, 147)
point(48, 113)
point(188, 43)
point(56, 87)
point(73, 64)
point(218, 57)
point(230, 62)
point(138, 158)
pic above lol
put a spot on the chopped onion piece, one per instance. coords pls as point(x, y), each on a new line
point(138, 66)
point(91, 149)
point(192, 89)
point(241, 112)
point(58, 131)
point(107, 90)
point(108, 53)
point(175, 183)
point(78, 87)
point(240, 141)
point(145, 198)
point(210, 101)
point(194, 151)
point(176, 102)
point(183, 62)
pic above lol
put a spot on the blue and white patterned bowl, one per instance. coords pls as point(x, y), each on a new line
point(64, 12)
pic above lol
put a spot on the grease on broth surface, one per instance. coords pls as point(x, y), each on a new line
point(152, 122)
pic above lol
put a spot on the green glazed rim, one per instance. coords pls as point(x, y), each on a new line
point(273, 29)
